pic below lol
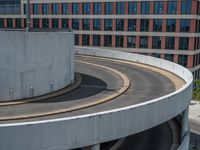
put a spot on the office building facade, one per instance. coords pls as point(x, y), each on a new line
point(165, 29)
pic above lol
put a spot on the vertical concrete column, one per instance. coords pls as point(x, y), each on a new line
point(193, 26)
point(40, 23)
point(91, 40)
point(80, 39)
point(184, 123)
point(176, 46)
point(31, 13)
point(102, 24)
point(91, 8)
point(191, 43)
point(163, 42)
point(165, 7)
point(194, 7)
point(50, 9)
point(22, 22)
point(40, 20)
point(150, 42)
point(70, 12)
point(176, 58)
point(70, 8)
point(138, 7)
point(151, 7)
point(102, 41)
point(50, 13)
point(150, 25)
point(93, 147)
point(5, 23)
point(190, 61)
point(126, 8)
point(125, 41)
point(60, 13)
point(162, 56)
point(178, 7)
point(91, 24)
point(137, 40)
point(81, 8)
point(14, 23)
point(113, 40)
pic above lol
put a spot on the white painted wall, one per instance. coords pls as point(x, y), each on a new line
point(90, 129)
point(35, 59)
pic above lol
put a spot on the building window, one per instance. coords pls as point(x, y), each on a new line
point(24, 10)
point(145, 7)
point(55, 8)
point(158, 7)
point(183, 43)
point(75, 8)
point(185, 25)
point(143, 41)
point(155, 55)
point(10, 7)
point(18, 23)
point(54, 23)
point(131, 24)
point(36, 9)
point(97, 24)
point(86, 8)
point(75, 24)
point(96, 40)
point(108, 24)
point(107, 40)
point(45, 23)
point(25, 22)
point(45, 8)
point(120, 24)
point(186, 7)
point(76, 39)
point(97, 8)
point(65, 23)
point(36, 23)
point(171, 25)
point(169, 57)
point(156, 42)
point(108, 8)
point(144, 25)
point(132, 8)
point(1, 22)
point(182, 60)
point(9, 22)
point(86, 24)
point(131, 41)
point(120, 8)
point(86, 39)
point(65, 8)
point(119, 41)
point(169, 42)
point(171, 7)
point(157, 25)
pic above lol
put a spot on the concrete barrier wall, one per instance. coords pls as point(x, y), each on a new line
point(90, 129)
point(34, 63)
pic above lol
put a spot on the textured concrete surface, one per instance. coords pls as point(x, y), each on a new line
point(35, 63)
point(194, 117)
point(98, 83)
point(123, 116)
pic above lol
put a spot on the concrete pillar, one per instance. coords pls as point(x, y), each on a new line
point(93, 147)
point(184, 123)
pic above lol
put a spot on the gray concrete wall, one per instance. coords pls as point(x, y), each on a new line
point(34, 60)
point(91, 129)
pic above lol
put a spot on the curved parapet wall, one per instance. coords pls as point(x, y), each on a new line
point(35, 63)
point(90, 129)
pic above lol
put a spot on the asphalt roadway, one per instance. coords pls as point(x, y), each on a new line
point(98, 83)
